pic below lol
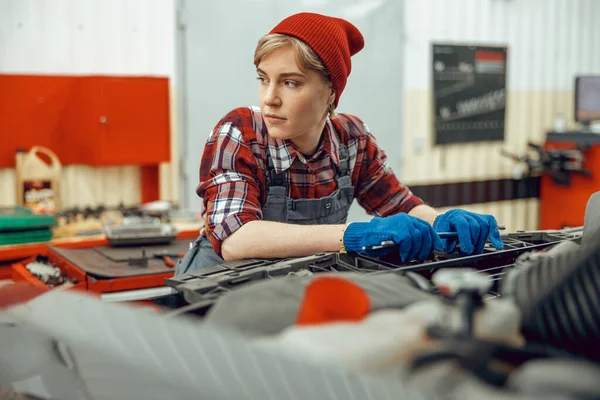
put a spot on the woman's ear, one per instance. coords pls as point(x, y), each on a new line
point(332, 96)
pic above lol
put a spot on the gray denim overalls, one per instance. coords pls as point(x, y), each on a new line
point(332, 209)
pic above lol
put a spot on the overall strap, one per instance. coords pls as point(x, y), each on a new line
point(344, 168)
point(273, 178)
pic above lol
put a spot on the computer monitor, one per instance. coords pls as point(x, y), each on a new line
point(587, 99)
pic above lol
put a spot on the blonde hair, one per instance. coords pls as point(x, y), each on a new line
point(306, 56)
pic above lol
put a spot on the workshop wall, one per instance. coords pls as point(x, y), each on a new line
point(549, 42)
point(81, 37)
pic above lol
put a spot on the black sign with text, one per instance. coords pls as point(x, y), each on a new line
point(469, 85)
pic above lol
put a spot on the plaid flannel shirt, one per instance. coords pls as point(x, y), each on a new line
point(234, 167)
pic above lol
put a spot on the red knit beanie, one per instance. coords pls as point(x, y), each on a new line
point(333, 39)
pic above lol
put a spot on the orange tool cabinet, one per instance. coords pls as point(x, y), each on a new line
point(116, 121)
point(20, 272)
point(89, 120)
point(11, 254)
point(564, 205)
point(86, 281)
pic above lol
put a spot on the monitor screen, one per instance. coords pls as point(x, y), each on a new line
point(587, 98)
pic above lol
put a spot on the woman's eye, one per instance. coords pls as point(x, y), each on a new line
point(291, 84)
point(261, 79)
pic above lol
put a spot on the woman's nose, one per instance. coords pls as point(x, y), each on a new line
point(271, 96)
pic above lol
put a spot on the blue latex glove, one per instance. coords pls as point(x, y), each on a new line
point(473, 230)
point(415, 237)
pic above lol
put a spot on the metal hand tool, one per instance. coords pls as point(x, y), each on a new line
point(390, 243)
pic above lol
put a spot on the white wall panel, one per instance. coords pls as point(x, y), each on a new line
point(549, 41)
point(133, 37)
point(85, 37)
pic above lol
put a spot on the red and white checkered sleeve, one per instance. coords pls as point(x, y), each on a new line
point(229, 183)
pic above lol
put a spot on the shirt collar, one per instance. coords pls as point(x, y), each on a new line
point(331, 142)
point(283, 152)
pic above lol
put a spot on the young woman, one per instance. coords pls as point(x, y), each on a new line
point(278, 181)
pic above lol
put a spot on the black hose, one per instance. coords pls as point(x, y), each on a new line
point(559, 298)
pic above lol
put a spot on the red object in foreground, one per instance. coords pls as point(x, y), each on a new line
point(333, 299)
point(13, 294)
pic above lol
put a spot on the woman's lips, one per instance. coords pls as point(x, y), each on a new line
point(274, 119)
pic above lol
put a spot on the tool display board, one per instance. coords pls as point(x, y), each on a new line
point(469, 88)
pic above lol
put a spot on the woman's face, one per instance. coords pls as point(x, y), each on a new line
point(293, 100)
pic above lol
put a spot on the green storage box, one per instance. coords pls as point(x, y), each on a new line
point(21, 218)
point(20, 225)
point(29, 236)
